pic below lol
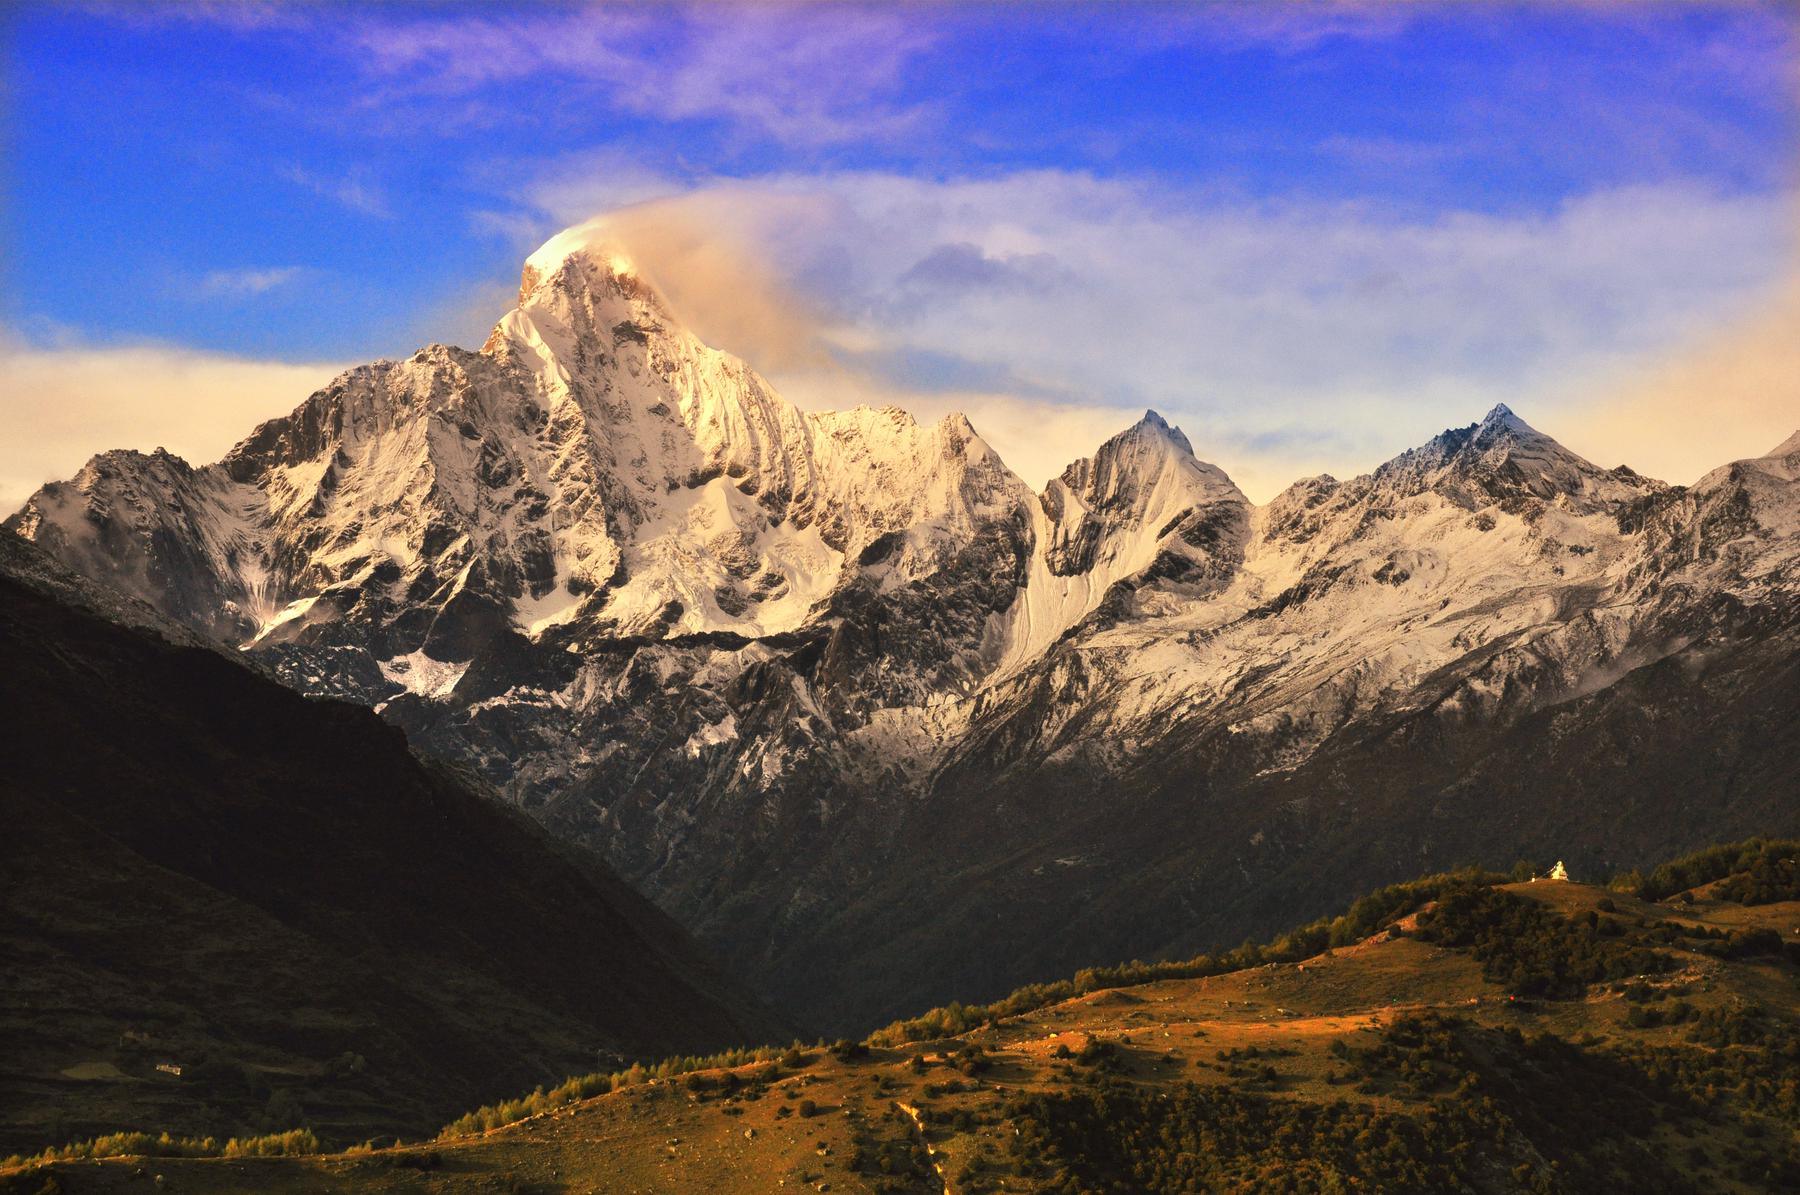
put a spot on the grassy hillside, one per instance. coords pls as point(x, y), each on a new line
point(1461, 1032)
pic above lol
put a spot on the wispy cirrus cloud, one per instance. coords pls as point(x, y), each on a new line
point(804, 75)
point(1295, 27)
point(816, 76)
point(243, 16)
point(807, 75)
point(1390, 153)
point(353, 189)
point(822, 76)
point(462, 52)
point(247, 282)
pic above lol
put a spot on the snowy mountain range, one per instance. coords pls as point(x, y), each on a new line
point(882, 723)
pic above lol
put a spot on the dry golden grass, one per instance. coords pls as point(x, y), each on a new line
point(665, 1137)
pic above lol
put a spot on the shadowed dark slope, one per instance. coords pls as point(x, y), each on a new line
point(1190, 851)
point(205, 870)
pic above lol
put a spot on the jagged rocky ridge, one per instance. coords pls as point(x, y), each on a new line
point(828, 684)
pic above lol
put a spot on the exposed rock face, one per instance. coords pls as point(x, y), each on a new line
point(791, 672)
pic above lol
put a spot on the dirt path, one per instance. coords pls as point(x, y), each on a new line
point(930, 1152)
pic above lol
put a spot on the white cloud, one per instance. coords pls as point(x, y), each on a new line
point(240, 16)
point(1294, 27)
point(1289, 338)
point(807, 75)
point(247, 283)
point(355, 190)
point(60, 406)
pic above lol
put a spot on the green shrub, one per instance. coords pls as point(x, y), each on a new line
point(164, 1145)
point(1757, 855)
point(1773, 875)
point(1490, 1103)
point(273, 1145)
point(845, 1050)
point(1528, 948)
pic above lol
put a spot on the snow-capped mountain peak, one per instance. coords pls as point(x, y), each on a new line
point(1504, 459)
point(1149, 453)
point(1503, 416)
point(592, 241)
point(1500, 430)
point(1153, 425)
point(1143, 509)
point(1136, 483)
point(1753, 504)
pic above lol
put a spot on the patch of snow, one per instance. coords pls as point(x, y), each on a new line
point(555, 607)
point(287, 614)
point(723, 731)
point(419, 674)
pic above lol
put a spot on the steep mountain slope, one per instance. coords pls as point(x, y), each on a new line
point(274, 897)
point(1427, 666)
point(792, 671)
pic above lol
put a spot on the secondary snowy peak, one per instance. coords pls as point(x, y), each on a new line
point(1497, 433)
point(1499, 465)
point(1153, 425)
point(150, 525)
point(1502, 459)
point(1481, 575)
point(1503, 416)
point(1112, 509)
point(1752, 505)
point(1142, 510)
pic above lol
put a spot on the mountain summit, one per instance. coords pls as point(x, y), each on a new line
point(1504, 458)
point(830, 686)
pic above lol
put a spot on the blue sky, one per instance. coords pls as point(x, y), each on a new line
point(1311, 232)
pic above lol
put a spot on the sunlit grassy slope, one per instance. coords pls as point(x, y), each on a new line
point(1656, 1047)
